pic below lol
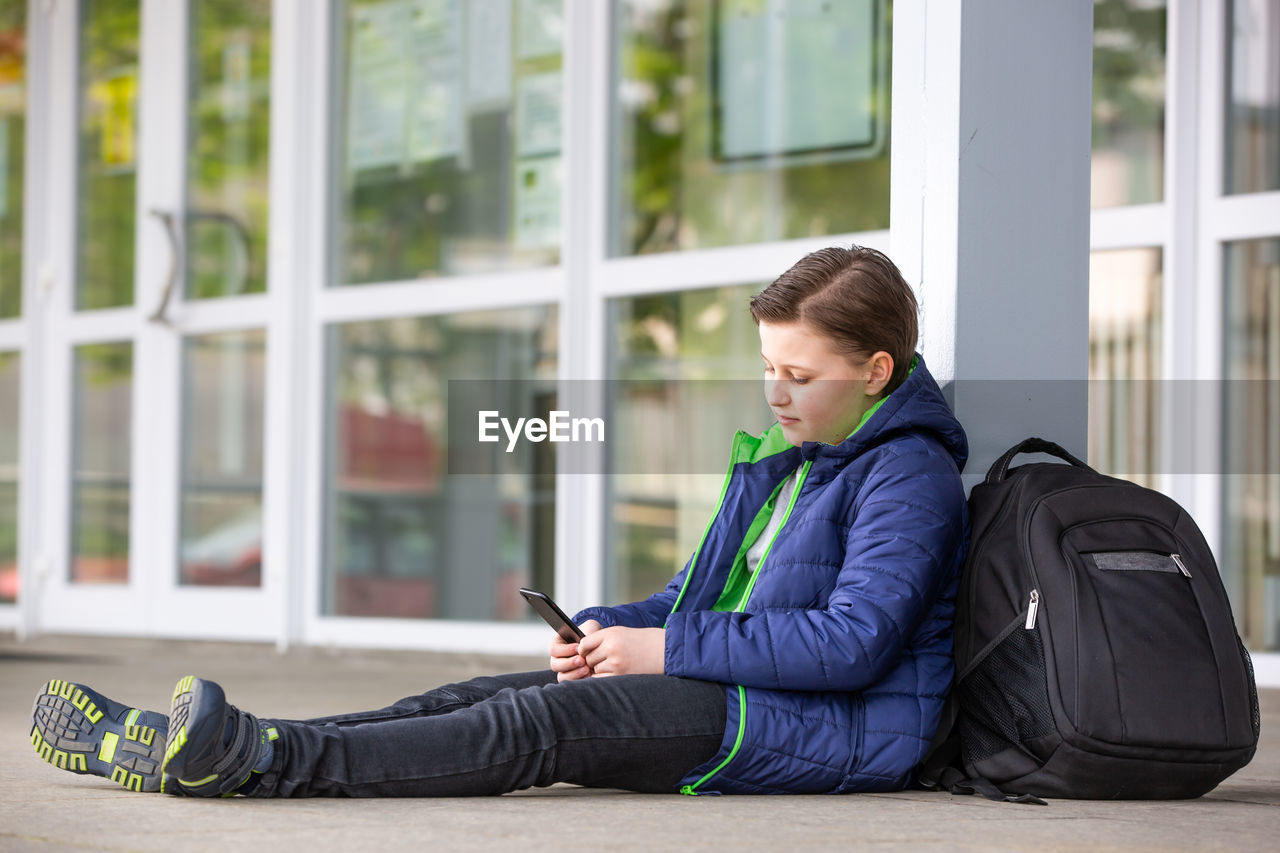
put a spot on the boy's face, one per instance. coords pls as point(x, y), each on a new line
point(817, 393)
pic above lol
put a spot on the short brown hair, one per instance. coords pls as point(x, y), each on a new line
point(857, 297)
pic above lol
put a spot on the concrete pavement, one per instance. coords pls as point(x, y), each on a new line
point(42, 808)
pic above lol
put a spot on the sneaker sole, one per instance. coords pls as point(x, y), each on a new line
point(196, 718)
point(72, 733)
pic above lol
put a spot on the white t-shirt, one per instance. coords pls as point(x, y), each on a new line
point(756, 551)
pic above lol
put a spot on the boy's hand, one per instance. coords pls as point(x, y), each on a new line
point(622, 651)
point(566, 662)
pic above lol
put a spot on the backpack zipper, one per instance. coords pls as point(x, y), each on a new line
point(1033, 608)
point(1177, 558)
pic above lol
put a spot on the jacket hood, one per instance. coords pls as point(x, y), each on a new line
point(916, 405)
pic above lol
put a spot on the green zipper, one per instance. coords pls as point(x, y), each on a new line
point(724, 487)
point(692, 790)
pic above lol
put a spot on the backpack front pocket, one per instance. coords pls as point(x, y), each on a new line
point(1148, 652)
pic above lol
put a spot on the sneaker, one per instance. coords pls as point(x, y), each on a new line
point(80, 730)
point(213, 746)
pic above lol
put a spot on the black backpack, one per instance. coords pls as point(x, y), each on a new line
point(1096, 654)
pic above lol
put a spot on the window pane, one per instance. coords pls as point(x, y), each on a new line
point(222, 417)
point(108, 152)
point(229, 138)
point(1253, 97)
point(404, 538)
point(729, 129)
point(102, 420)
point(449, 153)
point(658, 518)
point(10, 371)
point(13, 109)
point(1128, 101)
point(1125, 349)
point(1251, 422)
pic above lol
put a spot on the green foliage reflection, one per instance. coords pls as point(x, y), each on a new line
point(108, 152)
point(229, 124)
point(12, 151)
point(673, 191)
point(1128, 101)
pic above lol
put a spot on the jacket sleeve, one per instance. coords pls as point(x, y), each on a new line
point(649, 613)
point(906, 538)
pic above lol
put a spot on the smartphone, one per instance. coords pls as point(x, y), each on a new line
point(547, 609)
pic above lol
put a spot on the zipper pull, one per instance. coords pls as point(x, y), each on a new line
point(1181, 567)
point(688, 791)
point(1033, 608)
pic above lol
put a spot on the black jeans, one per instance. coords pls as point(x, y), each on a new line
point(502, 733)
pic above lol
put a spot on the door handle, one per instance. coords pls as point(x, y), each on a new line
point(243, 255)
point(175, 252)
point(170, 222)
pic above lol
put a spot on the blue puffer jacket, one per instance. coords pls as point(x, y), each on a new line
point(840, 660)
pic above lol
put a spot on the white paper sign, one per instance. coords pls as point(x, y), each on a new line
point(537, 202)
point(541, 28)
point(488, 53)
point(237, 91)
point(433, 44)
point(376, 86)
point(539, 114)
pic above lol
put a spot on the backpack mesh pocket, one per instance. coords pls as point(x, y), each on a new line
point(1253, 689)
point(1005, 698)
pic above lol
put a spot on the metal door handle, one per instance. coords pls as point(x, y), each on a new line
point(170, 222)
point(244, 256)
point(175, 247)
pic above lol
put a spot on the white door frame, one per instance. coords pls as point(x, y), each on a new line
point(152, 602)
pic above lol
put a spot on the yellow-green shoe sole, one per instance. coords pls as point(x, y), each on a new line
point(74, 729)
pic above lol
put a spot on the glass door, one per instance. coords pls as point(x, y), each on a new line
point(158, 348)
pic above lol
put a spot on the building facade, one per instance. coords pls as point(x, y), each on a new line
point(248, 249)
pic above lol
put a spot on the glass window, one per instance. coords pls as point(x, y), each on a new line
point(748, 120)
point(10, 372)
point(13, 108)
point(404, 537)
point(449, 155)
point(1252, 150)
point(223, 419)
point(229, 140)
point(102, 419)
point(108, 152)
point(1251, 424)
point(1129, 39)
point(658, 513)
point(1125, 317)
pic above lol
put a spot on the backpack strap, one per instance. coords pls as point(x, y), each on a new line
point(958, 784)
point(1000, 468)
point(942, 769)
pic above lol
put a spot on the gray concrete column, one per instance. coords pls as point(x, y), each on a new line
point(990, 209)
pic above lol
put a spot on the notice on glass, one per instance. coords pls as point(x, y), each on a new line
point(488, 54)
point(541, 25)
point(539, 114)
point(377, 86)
point(775, 63)
point(537, 202)
point(115, 100)
point(237, 83)
point(433, 44)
